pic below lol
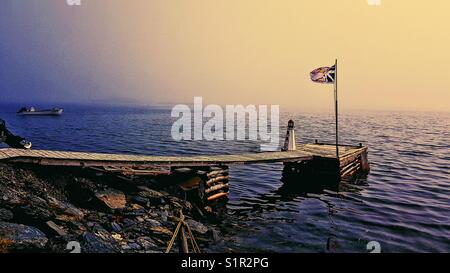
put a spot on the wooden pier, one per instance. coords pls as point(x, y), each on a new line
point(205, 176)
point(304, 153)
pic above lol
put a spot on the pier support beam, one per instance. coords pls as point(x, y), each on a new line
point(217, 190)
point(317, 169)
point(365, 162)
point(331, 170)
point(206, 187)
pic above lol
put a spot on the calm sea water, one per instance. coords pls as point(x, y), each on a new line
point(404, 203)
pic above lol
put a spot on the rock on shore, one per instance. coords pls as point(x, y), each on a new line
point(42, 209)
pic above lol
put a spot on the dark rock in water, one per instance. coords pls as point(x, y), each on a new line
point(96, 218)
point(125, 247)
point(128, 223)
point(34, 211)
point(32, 214)
point(149, 193)
point(81, 191)
point(197, 226)
point(164, 215)
point(94, 243)
point(134, 214)
point(18, 238)
point(77, 227)
point(113, 199)
point(141, 200)
point(215, 235)
point(115, 227)
point(161, 231)
point(136, 207)
point(64, 211)
point(153, 222)
point(146, 243)
point(178, 203)
point(57, 230)
point(134, 246)
point(6, 215)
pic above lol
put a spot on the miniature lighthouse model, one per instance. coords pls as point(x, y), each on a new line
point(289, 143)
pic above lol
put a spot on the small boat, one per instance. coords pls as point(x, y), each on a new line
point(24, 111)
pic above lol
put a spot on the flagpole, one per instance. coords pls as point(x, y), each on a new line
point(336, 107)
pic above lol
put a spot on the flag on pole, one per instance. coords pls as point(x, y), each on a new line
point(325, 75)
point(328, 75)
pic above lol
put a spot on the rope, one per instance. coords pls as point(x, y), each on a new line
point(181, 222)
point(195, 246)
point(172, 241)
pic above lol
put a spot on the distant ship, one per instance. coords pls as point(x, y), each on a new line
point(24, 111)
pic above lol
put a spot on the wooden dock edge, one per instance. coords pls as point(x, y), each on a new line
point(328, 168)
point(203, 179)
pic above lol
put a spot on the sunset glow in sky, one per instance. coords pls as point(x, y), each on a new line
point(391, 57)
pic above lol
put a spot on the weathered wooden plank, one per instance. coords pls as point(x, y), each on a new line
point(60, 158)
point(350, 157)
point(217, 188)
point(215, 173)
point(212, 181)
point(217, 196)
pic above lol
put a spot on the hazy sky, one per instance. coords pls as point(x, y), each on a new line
point(394, 56)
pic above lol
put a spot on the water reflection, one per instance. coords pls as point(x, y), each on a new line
point(298, 187)
point(287, 205)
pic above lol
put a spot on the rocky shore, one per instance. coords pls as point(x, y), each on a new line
point(58, 209)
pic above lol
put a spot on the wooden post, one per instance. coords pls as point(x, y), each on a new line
point(365, 162)
point(183, 241)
